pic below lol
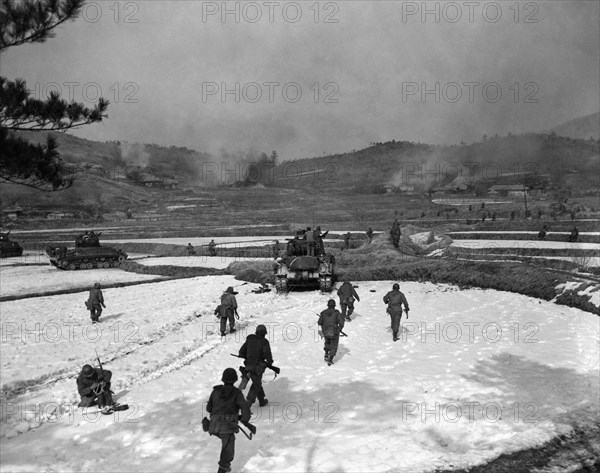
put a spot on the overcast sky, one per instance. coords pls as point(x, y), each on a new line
point(332, 76)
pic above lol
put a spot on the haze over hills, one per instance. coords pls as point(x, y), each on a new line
point(582, 127)
point(537, 159)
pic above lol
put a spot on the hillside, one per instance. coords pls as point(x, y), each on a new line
point(582, 127)
point(536, 159)
point(116, 157)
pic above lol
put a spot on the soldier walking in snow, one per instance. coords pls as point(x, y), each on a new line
point(347, 295)
point(256, 352)
point(95, 303)
point(212, 248)
point(369, 233)
point(228, 310)
point(394, 299)
point(332, 323)
point(224, 406)
point(191, 250)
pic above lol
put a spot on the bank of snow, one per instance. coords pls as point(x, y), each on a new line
point(477, 373)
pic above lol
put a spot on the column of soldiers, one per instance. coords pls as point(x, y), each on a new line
point(227, 405)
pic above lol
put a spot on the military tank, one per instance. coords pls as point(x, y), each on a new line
point(87, 254)
point(298, 268)
point(9, 248)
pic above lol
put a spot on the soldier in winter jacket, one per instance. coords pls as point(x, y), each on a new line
point(331, 322)
point(256, 352)
point(347, 295)
point(396, 233)
point(212, 248)
point(93, 385)
point(318, 237)
point(95, 302)
point(224, 405)
point(394, 299)
point(228, 310)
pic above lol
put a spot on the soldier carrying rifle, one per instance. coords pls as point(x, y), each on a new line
point(394, 299)
point(331, 323)
point(224, 406)
point(256, 352)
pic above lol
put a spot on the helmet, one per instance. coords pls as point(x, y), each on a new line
point(261, 330)
point(396, 286)
point(87, 371)
point(330, 303)
point(230, 290)
point(229, 376)
point(97, 285)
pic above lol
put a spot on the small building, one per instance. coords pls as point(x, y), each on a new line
point(406, 188)
point(170, 183)
point(510, 190)
point(150, 180)
point(12, 212)
point(59, 215)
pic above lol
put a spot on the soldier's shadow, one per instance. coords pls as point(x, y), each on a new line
point(341, 352)
point(112, 316)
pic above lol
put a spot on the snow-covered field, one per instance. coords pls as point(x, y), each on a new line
point(238, 241)
point(480, 232)
point(33, 279)
point(524, 244)
point(218, 262)
point(476, 373)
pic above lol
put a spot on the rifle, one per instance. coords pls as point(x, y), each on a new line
point(249, 426)
point(341, 331)
point(273, 368)
point(98, 358)
point(102, 384)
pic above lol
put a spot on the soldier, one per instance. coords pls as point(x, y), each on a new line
point(542, 233)
point(256, 352)
point(574, 234)
point(228, 310)
point(319, 245)
point(212, 248)
point(224, 406)
point(347, 241)
point(347, 294)
point(95, 303)
point(369, 233)
point(191, 250)
point(93, 385)
point(310, 242)
point(394, 299)
point(276, 249)
point(396, 233)
point(332, 323)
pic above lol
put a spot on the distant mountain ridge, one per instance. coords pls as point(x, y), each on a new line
point(581, 128)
